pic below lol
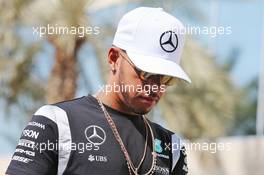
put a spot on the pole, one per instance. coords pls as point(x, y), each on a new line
point(260, 106)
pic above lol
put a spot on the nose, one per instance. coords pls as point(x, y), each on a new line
point(153, 80)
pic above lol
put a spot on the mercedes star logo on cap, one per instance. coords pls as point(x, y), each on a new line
point(169, 41)
point(95, 135)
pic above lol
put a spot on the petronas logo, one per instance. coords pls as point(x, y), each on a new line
point(158, 147)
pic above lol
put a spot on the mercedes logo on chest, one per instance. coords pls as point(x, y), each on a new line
point(95, 134)
point(169, 41)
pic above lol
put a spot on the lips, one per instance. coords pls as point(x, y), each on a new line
point(148, 100)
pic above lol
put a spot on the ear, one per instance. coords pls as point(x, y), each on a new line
point(113, 55)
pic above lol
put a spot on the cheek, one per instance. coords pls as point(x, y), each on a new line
point(129, 78)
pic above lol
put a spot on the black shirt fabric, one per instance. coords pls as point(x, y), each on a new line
point(74, 138)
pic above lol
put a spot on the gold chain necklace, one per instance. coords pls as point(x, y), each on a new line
point(131, 166)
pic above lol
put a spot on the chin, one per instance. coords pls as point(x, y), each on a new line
point(141, 111)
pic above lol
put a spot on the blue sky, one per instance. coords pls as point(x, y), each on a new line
point(246, 20)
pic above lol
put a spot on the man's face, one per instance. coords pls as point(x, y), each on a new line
point(138, 95)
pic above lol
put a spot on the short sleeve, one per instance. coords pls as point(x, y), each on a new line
point(179, 157)
point(36, 152)
point(181, 167)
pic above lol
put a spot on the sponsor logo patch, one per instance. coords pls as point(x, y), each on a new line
point(22, 159)
point(30, 133)
point(97, 158)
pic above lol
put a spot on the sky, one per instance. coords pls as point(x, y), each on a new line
point(246, 21)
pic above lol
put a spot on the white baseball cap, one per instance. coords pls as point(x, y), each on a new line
point(152, 40)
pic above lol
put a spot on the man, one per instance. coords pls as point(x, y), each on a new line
point(108, 133)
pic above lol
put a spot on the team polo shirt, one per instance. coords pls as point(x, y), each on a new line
point(74, 138)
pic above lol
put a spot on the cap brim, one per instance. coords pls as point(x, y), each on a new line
point(157, 65)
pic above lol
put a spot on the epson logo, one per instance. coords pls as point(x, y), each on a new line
point(30, 133)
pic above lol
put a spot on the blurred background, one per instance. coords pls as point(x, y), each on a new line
point(224, 103)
